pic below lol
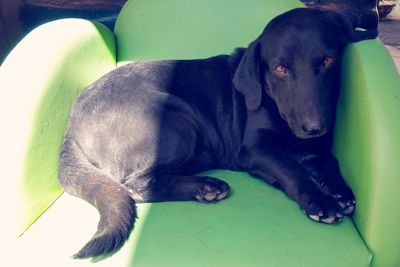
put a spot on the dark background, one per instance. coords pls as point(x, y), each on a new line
point(18, 17)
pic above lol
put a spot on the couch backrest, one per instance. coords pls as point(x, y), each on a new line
point(184, 29)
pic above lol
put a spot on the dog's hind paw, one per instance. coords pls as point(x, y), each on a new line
point(212, 190)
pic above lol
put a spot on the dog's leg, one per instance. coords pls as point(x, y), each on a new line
point(115, 205)
point(274, 166)
point(324, 171)
point(177, 188)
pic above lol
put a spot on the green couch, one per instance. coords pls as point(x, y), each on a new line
point(257, 225)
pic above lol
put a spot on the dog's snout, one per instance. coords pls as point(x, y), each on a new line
point(311, 129)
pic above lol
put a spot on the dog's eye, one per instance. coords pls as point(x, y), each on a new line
point(280, 70)
point(328, 61)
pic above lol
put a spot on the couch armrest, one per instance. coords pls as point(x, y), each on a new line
point(367, 144)
point(38, 81)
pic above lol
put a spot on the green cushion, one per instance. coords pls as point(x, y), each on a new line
point(257, 226)
point(367, 144)
point(38, 82)
point(185, 29)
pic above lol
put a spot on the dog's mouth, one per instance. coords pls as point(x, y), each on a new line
point(309, 135)
point(303, 132)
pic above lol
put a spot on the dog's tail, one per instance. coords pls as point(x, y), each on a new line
point(117, 209)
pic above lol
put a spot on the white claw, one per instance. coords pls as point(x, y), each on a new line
point(349, 210)
point(329, 220)
point(210, 196)
point(342, 205)
point(222, 195)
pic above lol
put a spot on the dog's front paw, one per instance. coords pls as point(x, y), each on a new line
point(345, 201)
point(322, 208)
point(343, 195)
point(211, 190)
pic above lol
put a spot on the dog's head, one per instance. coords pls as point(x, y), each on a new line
point(296, 61)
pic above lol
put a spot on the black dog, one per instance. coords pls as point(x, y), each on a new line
point(142, 132)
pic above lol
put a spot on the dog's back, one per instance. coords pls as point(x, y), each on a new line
point(129, 124)
point(143, 131)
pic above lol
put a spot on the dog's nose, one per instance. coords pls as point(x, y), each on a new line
point(311, 129)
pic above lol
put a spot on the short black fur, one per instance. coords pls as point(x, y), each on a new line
point(143, 131)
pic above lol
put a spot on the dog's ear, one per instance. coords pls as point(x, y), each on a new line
point(350, 25)
point(247, 76)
